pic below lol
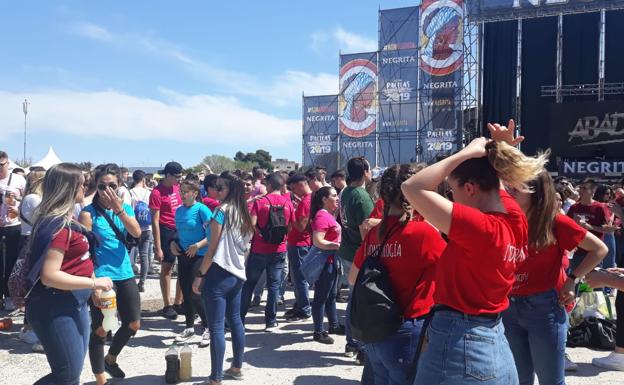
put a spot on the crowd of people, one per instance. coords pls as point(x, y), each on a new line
point(483, 250)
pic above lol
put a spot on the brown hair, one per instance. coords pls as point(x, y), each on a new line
point(502, 163)
point(391, 194)
point(542, 211)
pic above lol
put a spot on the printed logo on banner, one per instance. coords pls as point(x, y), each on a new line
point(441, 36)
point(440, 139)
point(595, 130)
point(357, 101)
point(397, 91)
point(319, 144)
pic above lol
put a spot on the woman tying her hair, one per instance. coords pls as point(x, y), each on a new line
point(410, 253)
point(58, 301)
point(487, 234)
point(536, 321)
point(111, 219)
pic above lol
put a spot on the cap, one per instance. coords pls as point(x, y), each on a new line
point(172, 168)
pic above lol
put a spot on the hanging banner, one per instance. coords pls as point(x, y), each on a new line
point(320, 131)
point(441, 59)
point(357, 106)
point(398, 85)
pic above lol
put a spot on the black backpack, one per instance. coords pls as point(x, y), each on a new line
point(375, 312)
point(593, 333)
point(275, 230)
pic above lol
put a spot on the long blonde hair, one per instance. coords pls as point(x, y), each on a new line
point(34, 183)
point(542, 212)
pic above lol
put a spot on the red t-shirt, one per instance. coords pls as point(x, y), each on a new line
point(260, 209)
point(596, 214)
point(378, 210)
point(77, 260)
point(167, 200)
point(326, 223)
point(545, 269)
point(410, 255)
point(211, 203)
point(476, 271)
point(296, 237)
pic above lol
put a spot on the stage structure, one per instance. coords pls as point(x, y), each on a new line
point(561, 78)
point(413, 100)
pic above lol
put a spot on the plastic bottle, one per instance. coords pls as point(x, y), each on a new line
point(10, 201)
point(108, 305)
point(186, 357)
point(6, 324)
point(172, 374)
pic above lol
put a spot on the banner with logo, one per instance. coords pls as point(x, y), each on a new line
point(483, 10)
point(320, 131)
point(440, 87)
point(357, 106)
point(588, 129)
point(594, 168)
point(398, 85)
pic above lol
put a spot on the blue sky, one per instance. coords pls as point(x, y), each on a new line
point(145, 82)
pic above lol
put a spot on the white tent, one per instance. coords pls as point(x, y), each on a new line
point(49, 160)
point(13, 165)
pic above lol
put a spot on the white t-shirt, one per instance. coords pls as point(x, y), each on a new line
point(124, 194)
point(27, 210)
point(140, 194)
point(233, 247)
point(15, 184)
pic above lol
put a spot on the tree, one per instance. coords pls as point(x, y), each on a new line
point(219, 163)
point(85, 166)
point(261, 157)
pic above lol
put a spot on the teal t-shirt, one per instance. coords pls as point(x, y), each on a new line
point(112, 258)
point(193, 225)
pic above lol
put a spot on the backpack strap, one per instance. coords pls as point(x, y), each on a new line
point(118, 234)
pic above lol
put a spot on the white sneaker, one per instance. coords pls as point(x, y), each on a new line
point(185, 335)
point(205, 341)
point(29, 337)
point(37, 348)
point(614, 361)
point(570, 366)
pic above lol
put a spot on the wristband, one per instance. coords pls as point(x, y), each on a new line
point(118, 213)
point(199, 274)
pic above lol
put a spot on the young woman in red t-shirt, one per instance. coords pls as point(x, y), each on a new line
point(487, 234)
point(409, 255)
point(57, 305)
point(536, 321)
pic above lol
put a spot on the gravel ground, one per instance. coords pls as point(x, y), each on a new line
point(288, 356)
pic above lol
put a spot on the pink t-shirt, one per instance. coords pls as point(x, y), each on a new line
point(211, 203)
point(326, 223)
point(296, 237)
point(167, 200)
point(260, 210)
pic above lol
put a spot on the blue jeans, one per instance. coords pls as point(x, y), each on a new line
point(273, 264)
point(61, 321)
point(466, 349)
point(536, 328)
point(609, 259)
point(222, 296)
point(262, 283)
point(325, 298)
point(302, 294)
point(391, 359)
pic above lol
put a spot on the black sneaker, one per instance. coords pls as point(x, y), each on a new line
point(169, 313)
point(290, 312)
point(361, 358)
point(255, 302)
point(109, 337)
point(342, 299)
point(141, 287)
point(298, 316)
point(351, 351)
point(271, 328)
point(338, 330)
point(179, 308)
point(114, 370)
point(323, 338)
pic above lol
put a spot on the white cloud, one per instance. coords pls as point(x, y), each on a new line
point(91, 31)
point(341, 39)
point(284, 89)
point(187, 118)
point(350, 42)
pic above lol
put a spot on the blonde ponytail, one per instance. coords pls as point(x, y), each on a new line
point(513, 167)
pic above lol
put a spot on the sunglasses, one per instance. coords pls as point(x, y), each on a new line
point(4, 164)
point(102, 186)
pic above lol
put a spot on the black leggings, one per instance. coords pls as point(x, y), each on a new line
point(192, 302)
point(128, 309)
point(619, 309)
point(8, 255)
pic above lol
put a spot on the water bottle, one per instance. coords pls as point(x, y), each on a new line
point(108, 305)
point(186, 369)
point(172, 374)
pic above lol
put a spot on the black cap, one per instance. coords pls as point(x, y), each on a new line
point(172, 168)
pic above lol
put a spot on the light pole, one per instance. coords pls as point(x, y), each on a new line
point(25, 104)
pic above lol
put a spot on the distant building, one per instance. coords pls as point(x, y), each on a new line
point(284, 165)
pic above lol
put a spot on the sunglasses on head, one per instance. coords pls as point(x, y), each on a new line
point(102, 186)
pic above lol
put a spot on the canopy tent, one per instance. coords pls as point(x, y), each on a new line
point(13, 165)
point(49, 160)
